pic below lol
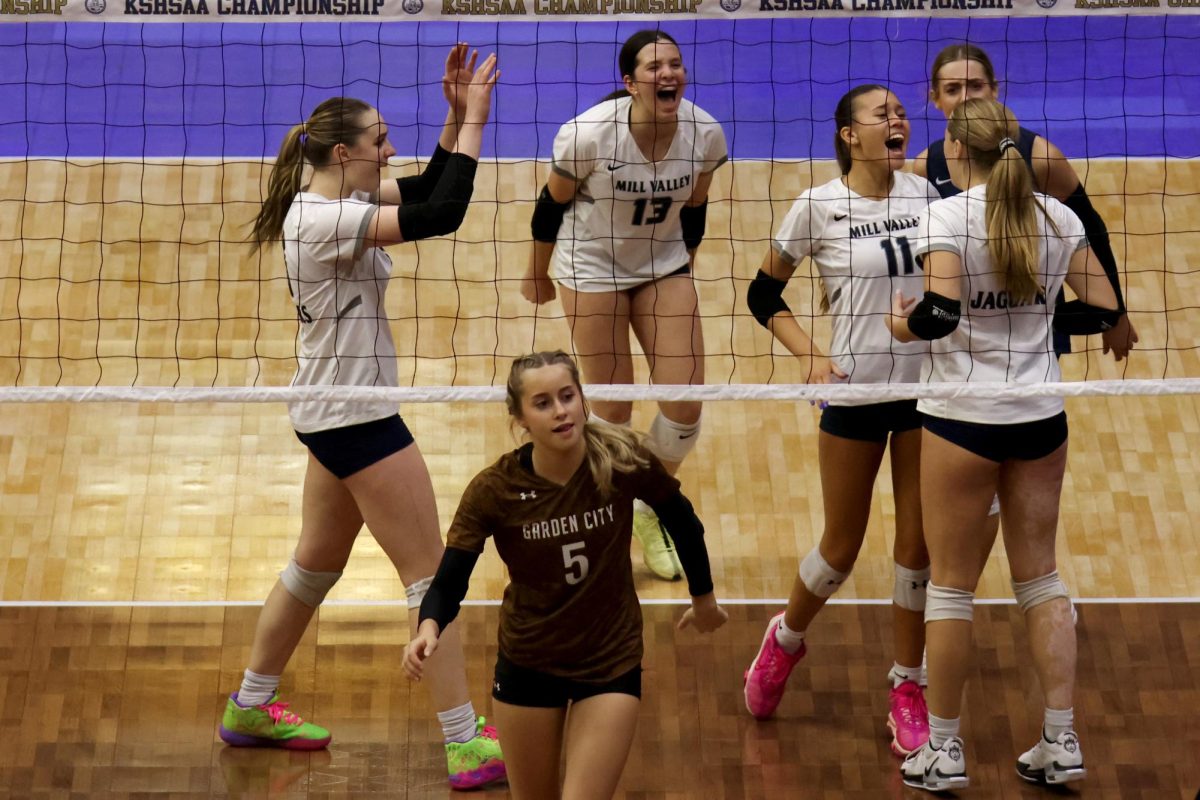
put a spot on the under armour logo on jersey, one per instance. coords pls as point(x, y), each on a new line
point(528, 495)
point(920, 584)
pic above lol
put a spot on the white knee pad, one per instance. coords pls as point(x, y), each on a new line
point(943, 602)
point(1039, 590)
point(818, 577)
point(909, 592)
point(415, 592)
point(995, 507)
point(670, 440)
point(308, 587)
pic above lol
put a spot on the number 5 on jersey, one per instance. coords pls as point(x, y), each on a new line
point(575, 562)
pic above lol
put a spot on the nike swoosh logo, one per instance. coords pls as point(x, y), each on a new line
point(614, 167)
point(941, 182)
point(839, 217)
point(690, 435)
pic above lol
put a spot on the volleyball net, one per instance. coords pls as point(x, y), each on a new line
point(135, 153)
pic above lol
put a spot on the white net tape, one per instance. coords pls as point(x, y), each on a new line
point(707, 393)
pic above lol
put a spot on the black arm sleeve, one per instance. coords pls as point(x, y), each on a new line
point(1097, 236)
point(679, 518)
point(449, 587)
point(547, 217)
point(692, 219)
point(765, 297)
point(447, 205)
point(417, 188)
point(935, 316)
point(1077, 318)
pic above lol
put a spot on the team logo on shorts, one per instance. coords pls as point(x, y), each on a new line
point(731, 5)
point(94, 6)
point(1047, 3)
point(413, 6)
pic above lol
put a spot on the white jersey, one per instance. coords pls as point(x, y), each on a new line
point(863, 252)
point(338, 285)
point(997, 341)
point(623, 228)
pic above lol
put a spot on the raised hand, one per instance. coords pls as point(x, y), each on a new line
point(479, 92)
point(459, 72)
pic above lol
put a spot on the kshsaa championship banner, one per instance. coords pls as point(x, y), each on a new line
point(567, 10)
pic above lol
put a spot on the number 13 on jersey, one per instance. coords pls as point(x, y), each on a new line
point(658, 206)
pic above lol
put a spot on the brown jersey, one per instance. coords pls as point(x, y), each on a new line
point(570, 608)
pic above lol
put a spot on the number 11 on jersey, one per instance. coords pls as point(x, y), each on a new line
point(905, 255)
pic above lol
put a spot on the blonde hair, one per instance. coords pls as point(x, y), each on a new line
point(610, 448)
point(335, 121)
point(989, 131)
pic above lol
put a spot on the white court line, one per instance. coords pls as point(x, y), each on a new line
point(767, 601)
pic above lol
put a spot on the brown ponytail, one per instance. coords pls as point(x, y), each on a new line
point(335, 121)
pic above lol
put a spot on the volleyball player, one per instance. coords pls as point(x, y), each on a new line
point(560, 510)
point(858, 231)
point(616, 227)
point(995, 256)
point(363, 464)
point(964, 71)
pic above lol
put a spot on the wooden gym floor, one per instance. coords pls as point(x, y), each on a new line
point(130, 273)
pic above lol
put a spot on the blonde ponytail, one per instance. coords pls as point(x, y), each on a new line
point(612, 448)
point(988, 129)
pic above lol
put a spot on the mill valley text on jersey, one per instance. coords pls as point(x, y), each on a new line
point(653, 186)
point(882, 227)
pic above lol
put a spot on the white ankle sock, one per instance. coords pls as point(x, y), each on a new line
point(458, 724)
point(790, 640)
point(942, 729)
point(900, 673)
point(256, 689)
point(1058, 721)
